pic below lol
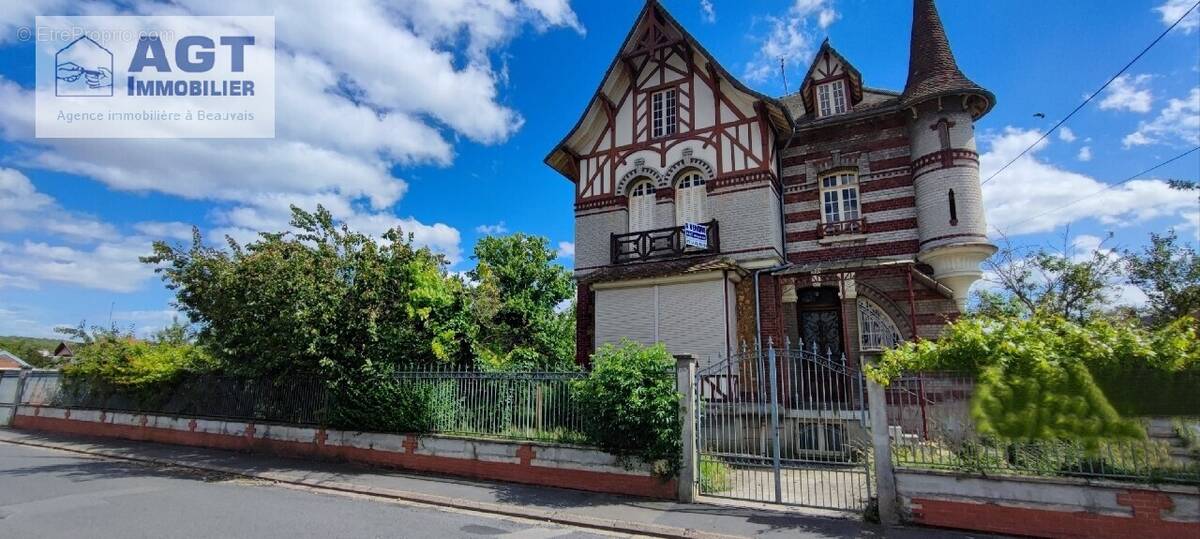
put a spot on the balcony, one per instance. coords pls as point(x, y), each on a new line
point(841, 228)
point(660, 244)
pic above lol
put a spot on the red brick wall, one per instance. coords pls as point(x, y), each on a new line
point(524, 472)
point(585, 325)
point(1146, 522)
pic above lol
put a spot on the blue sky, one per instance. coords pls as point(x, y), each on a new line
point(457, 150)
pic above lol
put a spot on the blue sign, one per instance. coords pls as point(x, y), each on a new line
point(695, 235)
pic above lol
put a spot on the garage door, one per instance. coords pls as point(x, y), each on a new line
point(686, 317)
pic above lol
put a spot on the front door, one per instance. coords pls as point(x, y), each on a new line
point(819, 319)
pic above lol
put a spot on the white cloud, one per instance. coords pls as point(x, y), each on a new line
point(1179, 121)
point(159, 230)
point(707, 12)
point(1172, 10)
point(791, 37)
point(1066, 135)
point(492, 230)
point(1085, 154)
point(1128, 92)
point(566, 249)
point(24, 208)
point(1032, 195)
point(111, 266)
point(346, 115)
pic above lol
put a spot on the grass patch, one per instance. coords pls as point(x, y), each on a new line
point(715, 476)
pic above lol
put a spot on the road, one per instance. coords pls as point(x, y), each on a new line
point(52, 494)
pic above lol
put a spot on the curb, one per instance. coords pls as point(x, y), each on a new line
point(557, 517)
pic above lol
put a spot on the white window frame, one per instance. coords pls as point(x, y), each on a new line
point(831, 98)
point(876, 328)
point(664, 113)
point(839, 199)
point(637, 221)
point(691, 198)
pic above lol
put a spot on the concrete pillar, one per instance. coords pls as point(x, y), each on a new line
point(685, 378)
point(885, 478)
point(20, 389)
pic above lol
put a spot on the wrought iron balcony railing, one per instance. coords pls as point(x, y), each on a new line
point(661, 244)
point(850, 226)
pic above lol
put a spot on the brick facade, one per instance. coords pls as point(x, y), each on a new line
point(585, 324)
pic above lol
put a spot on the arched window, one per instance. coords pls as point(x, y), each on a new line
point(691, 198)
point(641, 206)
point(877, 329)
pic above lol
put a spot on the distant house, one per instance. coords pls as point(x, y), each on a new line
point(63, 350)
point(8, 360)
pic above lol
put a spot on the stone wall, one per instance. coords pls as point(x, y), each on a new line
point(534, 463)
point(1049, 507)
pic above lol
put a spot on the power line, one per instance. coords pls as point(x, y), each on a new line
point(1110, 186)
point(1094, 94)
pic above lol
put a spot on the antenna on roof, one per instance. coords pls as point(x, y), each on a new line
point(783, 72)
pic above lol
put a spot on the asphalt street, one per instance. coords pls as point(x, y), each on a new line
point(55, 494)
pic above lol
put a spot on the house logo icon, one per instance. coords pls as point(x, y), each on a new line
point(83, 69)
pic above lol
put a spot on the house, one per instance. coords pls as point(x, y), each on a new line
point(63, 351)
point(8, 360)
point(708, 215)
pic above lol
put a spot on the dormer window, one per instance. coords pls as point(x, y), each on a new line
point(664, 111)
point(831, 98)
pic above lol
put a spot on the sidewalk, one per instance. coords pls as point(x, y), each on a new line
point(602, 511)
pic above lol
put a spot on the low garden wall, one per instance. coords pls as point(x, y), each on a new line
point(534, 463)
point(1048, 507)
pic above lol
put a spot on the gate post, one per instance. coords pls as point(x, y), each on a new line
point(774, 379)
point(885, 478)
point(685, 381)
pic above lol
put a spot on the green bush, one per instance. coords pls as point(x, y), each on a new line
point(630, 405)
point(1036, 377)
point(377, 402)
point(142, 371)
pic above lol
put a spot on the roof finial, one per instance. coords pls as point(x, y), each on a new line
point(932, 71)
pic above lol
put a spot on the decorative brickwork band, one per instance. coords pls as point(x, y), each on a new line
point(601, 202)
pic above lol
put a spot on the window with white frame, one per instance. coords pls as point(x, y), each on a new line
point(691, 198)
point(875, 327)
point(641, 206)
point(664, 111)
point(831, 98)
point(839, 197)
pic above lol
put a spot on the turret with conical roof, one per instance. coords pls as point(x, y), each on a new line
point(942, 106)
point(932, 71)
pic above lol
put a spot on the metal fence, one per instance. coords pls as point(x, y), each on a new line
point(520, 405)
point(528, 405)
point(930, 427)
point(299, 400)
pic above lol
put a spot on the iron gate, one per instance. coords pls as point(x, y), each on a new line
point(786, 426)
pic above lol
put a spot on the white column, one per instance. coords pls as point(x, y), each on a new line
point(685, 377)
point(885, 478)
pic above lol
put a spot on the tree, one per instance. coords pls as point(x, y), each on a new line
point(1051, 281)
point(515, 304)
point(317, 298)
point(1169, 274)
